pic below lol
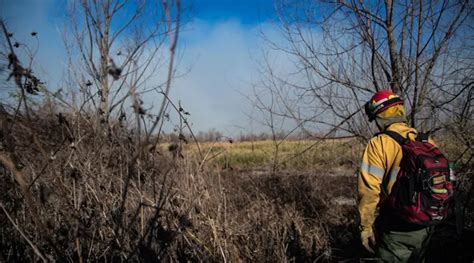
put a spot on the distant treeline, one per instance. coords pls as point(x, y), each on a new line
point(214, 135)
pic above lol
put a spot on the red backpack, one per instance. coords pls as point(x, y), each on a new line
point(423, 191)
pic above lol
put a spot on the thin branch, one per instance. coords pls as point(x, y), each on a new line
point(174, 42)
point(35, 249)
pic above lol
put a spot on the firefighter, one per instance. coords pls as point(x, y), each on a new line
point(388, 238)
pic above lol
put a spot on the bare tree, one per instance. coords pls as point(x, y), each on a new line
point(116, 49)
point(343, 51)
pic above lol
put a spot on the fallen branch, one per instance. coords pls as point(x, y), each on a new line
point(35, 249)
point(7, 162)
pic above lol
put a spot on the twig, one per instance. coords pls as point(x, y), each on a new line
point(174, 42)
point(16, 68)
point(204, 158)
point(35, 249)
point(185, 122)
point(47, 164)
point(6, 161)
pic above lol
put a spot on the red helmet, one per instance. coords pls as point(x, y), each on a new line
point(381, 101)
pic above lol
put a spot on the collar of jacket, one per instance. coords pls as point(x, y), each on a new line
point(401, 128)
point(385, 123)
point(398, 127)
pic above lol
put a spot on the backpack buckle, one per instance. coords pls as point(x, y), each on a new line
point(427, 183)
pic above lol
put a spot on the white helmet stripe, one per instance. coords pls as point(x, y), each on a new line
point(380, 102)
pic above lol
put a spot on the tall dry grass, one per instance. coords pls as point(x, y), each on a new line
point(71, 190)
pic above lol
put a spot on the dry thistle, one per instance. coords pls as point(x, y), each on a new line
point(182, 138)
point(113, 70)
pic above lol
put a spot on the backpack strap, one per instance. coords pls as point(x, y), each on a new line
point(397, 137)
point(422, 137)
point(412, 180)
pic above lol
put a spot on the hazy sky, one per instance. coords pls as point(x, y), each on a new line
point(220, 46)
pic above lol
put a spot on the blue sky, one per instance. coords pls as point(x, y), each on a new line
point(220, 45)
point(248, 12)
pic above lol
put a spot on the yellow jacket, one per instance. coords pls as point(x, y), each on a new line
point(378, 171)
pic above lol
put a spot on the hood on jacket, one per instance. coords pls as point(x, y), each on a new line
point(394, 114)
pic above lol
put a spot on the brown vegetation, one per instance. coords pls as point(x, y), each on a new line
point(88, 201)
point(79, 183)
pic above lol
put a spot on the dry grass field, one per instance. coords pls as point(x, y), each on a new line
point(73, 194)
point(302, 155)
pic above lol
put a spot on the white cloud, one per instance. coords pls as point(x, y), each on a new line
point(222, 69)
point(222, 58)
point(225, 57)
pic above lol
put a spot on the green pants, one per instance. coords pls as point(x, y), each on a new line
point(394, 246)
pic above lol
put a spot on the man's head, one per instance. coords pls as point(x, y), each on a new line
point(386, 108)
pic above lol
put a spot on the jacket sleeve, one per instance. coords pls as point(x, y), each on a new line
point(370, 178)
